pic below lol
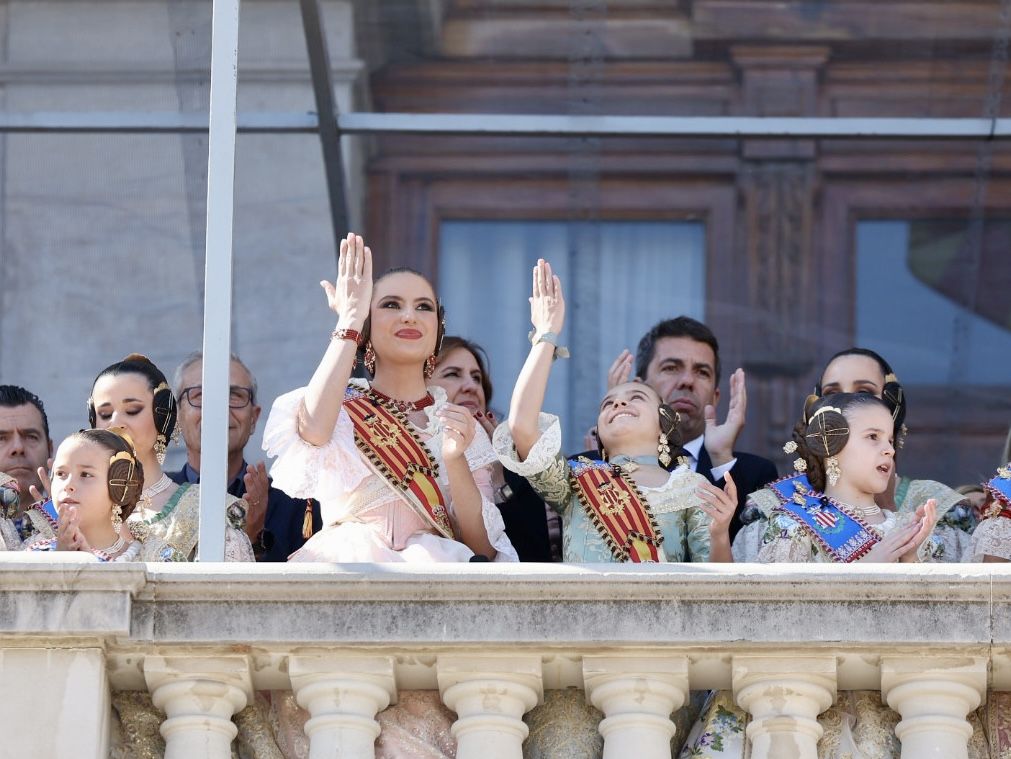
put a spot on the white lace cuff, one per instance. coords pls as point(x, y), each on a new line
point(302, 470)
point(541, 455)
point(992, 538)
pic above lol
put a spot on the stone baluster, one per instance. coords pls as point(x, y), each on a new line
point(637, 696)
point(199, 695)
point(784, 696)
point(490, 695)
point(934, 695)
point(343, 695)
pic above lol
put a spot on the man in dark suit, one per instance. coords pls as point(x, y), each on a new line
point(275, 522)
point(680, 359)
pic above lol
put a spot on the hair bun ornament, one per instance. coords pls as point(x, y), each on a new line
point(808, 405)
point(827, 431)
point(140, 357)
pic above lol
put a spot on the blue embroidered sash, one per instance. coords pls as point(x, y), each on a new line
point(843, 536)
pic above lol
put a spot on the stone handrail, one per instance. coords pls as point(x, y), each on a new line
point(203, 638)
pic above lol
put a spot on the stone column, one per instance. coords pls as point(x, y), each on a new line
point(934, 695)
point(55, 703)
point(637, 696)
point(490, 695)
point(784, 695)
point(199, 695)
point(343, 694)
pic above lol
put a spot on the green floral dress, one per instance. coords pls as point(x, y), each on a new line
point(685, 527)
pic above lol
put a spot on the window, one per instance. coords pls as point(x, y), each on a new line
point(932, 301)
point(619, 278)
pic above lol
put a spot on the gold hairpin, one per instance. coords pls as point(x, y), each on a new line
point(823, 409)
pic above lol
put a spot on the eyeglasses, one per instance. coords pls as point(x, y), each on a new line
point(238, 396)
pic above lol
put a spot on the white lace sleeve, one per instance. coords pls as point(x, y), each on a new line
point(480, 453)
point(992, 537)
point(327, 472)
point(543, 453)
point(493, 517)
point(237, 545)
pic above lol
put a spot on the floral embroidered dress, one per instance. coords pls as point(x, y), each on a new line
point(684, 526)
point(364, 518)
point(151, 549)
point(787, 540)
point(17, 531)
point(992, 536)
point(951, 544)
point(178, 524)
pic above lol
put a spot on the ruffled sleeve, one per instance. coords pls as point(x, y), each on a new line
point(544, 468)
point(541, 455)
point(302, 470)
point(480, 453)
point(992, 537)
point(492, 516)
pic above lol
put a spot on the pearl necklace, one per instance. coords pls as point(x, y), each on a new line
point(863, 512)
point(147, 495)
point(109, 551)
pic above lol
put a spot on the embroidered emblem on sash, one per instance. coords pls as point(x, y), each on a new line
point(843, 536)
point(385, 437)
point(618, 510)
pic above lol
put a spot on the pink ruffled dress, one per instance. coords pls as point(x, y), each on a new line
point(364, 519)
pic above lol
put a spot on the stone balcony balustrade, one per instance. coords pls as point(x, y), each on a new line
point(492, 639)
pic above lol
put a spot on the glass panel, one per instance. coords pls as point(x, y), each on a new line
point(619, 279)
point(912, 305)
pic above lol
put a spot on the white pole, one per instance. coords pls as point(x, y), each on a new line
point(218, 279)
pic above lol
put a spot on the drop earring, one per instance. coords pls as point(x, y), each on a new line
point(663, 451)
point(832, 471)
point(370, 358)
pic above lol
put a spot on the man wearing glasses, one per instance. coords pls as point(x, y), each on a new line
point(276, 524)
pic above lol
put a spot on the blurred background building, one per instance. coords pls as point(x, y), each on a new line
point(791, 249)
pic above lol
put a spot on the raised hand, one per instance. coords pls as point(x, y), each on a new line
point(44, 479)
point(547, 304)
point(621, 370)
point(721, 438)
point(719, 504)
point(458, 428)
point(351, 295)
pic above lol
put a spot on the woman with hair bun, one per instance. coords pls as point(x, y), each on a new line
point(401, 474)
point(846, 445)
point(133, 395)
point(96, 484)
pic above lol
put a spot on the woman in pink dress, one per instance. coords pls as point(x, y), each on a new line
point(400, 473)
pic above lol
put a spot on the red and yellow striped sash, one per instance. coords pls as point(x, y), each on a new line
point(385, 437)
point(618, 511)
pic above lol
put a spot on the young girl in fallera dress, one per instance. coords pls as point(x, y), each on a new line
point(846, 444)
point(858, 370)
point(96, 483)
